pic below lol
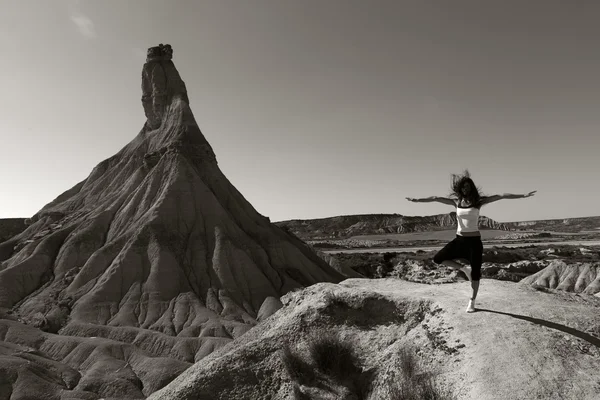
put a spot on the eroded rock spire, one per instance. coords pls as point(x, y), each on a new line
point(160, 83)
point(154, 261)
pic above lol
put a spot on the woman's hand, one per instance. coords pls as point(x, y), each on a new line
point(530, 194)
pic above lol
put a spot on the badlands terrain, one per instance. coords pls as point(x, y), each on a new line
point(388, 231)
point(346, 226)
point(155, 278)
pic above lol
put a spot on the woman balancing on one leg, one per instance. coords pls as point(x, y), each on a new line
point(467, 244)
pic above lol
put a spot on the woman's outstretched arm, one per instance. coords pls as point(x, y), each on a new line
point(491, 199)
point(431, 199)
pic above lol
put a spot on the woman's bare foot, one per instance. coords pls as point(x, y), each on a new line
point(471, 306)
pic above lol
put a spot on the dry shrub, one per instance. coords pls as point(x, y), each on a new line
point(333, 356)
point(332, 366)
point(412, 383)
point(329, 359)
point(299, 370)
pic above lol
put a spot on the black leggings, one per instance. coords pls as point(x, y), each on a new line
point(469, 247)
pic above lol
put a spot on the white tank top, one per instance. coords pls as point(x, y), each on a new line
point(468, 219)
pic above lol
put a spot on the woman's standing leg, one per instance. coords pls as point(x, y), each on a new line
point(475, 289)
point(476, 261)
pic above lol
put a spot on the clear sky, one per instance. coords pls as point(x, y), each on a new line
point(317, 108)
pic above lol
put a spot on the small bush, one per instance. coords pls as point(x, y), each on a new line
point(331, 360)
point(332, 368)
point(299, 370)
point(333, 356)
point(408, 363)
point(414, 384)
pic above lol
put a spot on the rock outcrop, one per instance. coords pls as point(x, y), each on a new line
point(161, 82)
point(156, 255)
point(572, 277)
point(513, 347)
point(375, 224)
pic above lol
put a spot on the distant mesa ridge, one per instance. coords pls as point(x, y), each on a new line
point(568, 225)
point(344, 226)
point(371, 224)
point(397, 223)
point(155, 238)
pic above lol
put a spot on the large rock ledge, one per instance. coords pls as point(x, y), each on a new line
point(490, 354)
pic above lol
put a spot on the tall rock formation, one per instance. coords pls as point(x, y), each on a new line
point(155, 248)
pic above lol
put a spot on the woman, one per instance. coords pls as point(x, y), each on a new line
point(466, 197)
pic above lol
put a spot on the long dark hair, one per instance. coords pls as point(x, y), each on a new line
point(474, 197)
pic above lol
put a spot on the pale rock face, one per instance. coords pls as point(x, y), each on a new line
point(156, 254)
point(268, 308)
point(577, 277)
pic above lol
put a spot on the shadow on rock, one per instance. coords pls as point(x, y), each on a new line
point(563, 328)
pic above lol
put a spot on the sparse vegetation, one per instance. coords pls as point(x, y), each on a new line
point(414, 383)
point(299, 370)
point(332, 367)
point(333, 356)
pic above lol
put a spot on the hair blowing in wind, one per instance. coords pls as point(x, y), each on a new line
point(463, 187)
